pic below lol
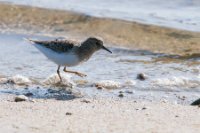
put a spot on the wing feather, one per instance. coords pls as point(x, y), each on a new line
point(56, 45)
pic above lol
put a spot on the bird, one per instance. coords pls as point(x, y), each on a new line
point(68, 53)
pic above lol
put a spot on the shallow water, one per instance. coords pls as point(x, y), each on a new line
point(168, 77)
point(182, 14)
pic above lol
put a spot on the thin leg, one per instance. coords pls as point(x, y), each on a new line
point(58, 72)
point(74, 72)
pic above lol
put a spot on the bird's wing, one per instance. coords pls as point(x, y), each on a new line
point(59, 46)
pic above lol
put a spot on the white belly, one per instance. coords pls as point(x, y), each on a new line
point(63, 59)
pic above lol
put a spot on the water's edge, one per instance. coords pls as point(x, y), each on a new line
point(168, 79)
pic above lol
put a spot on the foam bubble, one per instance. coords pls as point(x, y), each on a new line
point(130, 83)
point(177, 82)
point(20, 80)
point(108, 84)
point(54, 79)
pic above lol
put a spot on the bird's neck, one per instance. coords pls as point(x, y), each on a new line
point(86, 51)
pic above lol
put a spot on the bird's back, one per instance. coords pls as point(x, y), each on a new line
point(59, 46)
point(62, 52)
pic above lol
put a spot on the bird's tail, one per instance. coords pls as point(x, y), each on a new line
point(29, 40)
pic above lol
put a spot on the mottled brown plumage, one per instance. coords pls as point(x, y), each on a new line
point(69, 53)
point(59, 46)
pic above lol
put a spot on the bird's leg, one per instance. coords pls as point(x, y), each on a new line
point(58, 72)
point(74, 72)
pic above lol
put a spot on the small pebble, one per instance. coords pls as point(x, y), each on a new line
point(120, 95)
point(29, 94)
point(21, 98)
point(129, 92)
point(85, 101)
point(141, 108)
point(196, 102)
point(120, 91)
point(141, 76)
point(68, 113)
point(144, 108)
point(99, 87)
point(184, 97)
point(181, 98)
point(10, 81)
point(176, 116)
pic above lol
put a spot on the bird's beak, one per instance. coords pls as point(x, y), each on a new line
point(106, 49)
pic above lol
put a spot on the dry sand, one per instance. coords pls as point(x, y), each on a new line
point(97, 116)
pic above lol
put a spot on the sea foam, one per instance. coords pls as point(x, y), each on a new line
point(177, 82)
point(20, 80)
point(109, 84)
point(54, 79)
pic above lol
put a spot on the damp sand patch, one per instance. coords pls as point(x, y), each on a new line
point(15, 18)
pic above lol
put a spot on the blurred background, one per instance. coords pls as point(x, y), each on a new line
point(129, 23)
point(183, 14)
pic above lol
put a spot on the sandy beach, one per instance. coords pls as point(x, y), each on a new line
point(97, 116)
point(125, 104)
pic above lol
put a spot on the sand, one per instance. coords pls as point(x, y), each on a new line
point(97, 116)
point(31, 20)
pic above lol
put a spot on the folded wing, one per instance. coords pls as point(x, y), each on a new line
point(56, 45)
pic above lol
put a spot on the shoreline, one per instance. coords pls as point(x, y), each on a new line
point(16, 18)
point(171, 83)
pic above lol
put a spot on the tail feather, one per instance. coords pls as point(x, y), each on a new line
point(30, 40)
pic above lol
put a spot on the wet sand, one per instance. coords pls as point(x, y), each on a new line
point(115, 32)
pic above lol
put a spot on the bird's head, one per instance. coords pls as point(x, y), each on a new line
point(98, 43)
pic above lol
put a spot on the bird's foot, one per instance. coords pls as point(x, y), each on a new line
point(80, 74)
point(74, 72)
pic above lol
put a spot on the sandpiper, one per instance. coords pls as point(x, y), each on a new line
point(69, 53)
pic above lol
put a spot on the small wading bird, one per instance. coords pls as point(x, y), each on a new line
point(69, 53)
